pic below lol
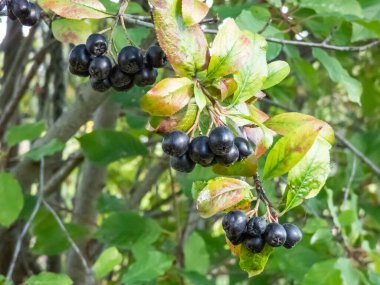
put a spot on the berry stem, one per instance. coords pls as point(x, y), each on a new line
point(271, 212)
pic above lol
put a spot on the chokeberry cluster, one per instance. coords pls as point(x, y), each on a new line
point(27, 13)
point(219, 147)
point(132, 67)
point(255, 232)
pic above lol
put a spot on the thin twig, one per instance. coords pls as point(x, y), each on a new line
point(271, 212)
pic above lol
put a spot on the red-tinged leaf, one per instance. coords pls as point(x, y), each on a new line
point(193, 11)
point(288, 151)
point(76, 9)
point(185, 47)
point(259, 115)
point(254, 263)
point(229, 50)
point(167, 97)
point(256, 136)
point(285, 123)
point(246, 168)
point(235, 249)
point(71, 31)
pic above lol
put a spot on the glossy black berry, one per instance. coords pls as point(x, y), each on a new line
point(124, 88)
point(79, 60)
point(33, 17)
point(20, 8)
point(146, 76)
point(275, 235)
point(221, 140)
point(200, 152)
point(236, 240)
point(293, 235)
point(130, 59)
point(230, 158)
point(155, 57)
point(175, 143)
point(234, 224)
point(256, 226)
point(96, 44)
point(100, 67)
point(244, 147)
point(255, 244)
point(118, 78)
point(182, 163)
point(101, 85)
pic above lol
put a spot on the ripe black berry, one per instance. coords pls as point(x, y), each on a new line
point(130, 59)
point(234, 224)
point(101, 85)
point(146, 76)
point(230, 158)
point(175, 143)
point(221, 140)
point(236, 240)
point(33, 16)
point(256, 226)
point(293, 235)
point(255, 244)
point(79, 60)
point(118, 78)
point(275, 235)
point(96, 44)
point(200, 152)
point(244, 147)
point(20, 8)
point(155, 57)
point(100, 67)
point(124, 88)
point(182, 163)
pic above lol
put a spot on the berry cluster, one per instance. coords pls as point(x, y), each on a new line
point(132, 67)
point(219, 147)
point(27, 13)
point(255, 232)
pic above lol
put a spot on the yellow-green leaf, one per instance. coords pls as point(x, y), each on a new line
point(193, 11)
point(11, 199)
point(106, 262)
point(71, 31)
point(254, 263)
point(200, 98)
point(277, 71)
point(246, 168)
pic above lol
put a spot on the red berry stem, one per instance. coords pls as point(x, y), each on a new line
point(261, 195)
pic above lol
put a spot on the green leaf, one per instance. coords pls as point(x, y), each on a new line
point(4, 281)
point(195, 278)
point(200, 98)
point(286, 123)
point(50, 148)
point(139, 230)
point(105, 146)
point(246, 168)
point(251, 75)
point(193, 11)
point(334, 8)
point(222, 194)
point(106, 262)
point(339, 75)
point(76, 9)
point(49, 278)
point(71, 31)
point(288, 151)
point(323, 273)
point(24, 132)
point(306, 179)
point(277, 71)
point(11, 199)
point(254, 263)
point(197, 258)
point(168, 96)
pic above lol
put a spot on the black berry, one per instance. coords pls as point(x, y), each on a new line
point(275, 235)
point(20, 8)
point(175, 143)
point(155, 57)
point(96, 44)
point(130, 59)
point(256, 226)
point(100, 67)
point(101, 85)
point(234, 224)
point(182, 163)
point(200, 152)
point(146, 76)
point(255, 244)
point(236, 240)
point(293, 235)
point(230, 158)
point(124, 88)
point(221, 140)
point(244, 147)
point(33, 17)
point(79, 60)
point(118, 78)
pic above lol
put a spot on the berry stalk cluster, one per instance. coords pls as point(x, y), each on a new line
point(132, 67)
point(219, 147)
point(27, 13)
point(255, 232)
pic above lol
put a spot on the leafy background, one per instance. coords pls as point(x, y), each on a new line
point(134, 219)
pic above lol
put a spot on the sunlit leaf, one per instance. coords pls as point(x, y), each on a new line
point(11, 199)
point(193, 11)
point(200, 98)
point(50, 148)
point(277, 71)
point(254, 263)
point(246, 167)
point(19, 133)
point(106, 262)
point(45, 278)
point(336, 7)
point(71, 31)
